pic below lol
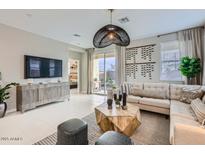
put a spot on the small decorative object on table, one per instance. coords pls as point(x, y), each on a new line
point(117, 98)
point(109, 98)
point(124, 101)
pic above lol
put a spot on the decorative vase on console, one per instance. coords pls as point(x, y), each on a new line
point(109, 98)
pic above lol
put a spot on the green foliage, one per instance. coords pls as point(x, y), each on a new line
point(190, 67)
point(109, 81)
point(114, 87)
point(4, 95)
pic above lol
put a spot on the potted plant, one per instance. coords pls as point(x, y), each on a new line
point(190, 67)
point(4, 95)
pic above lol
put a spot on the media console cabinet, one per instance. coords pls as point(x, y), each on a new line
point(34, 95)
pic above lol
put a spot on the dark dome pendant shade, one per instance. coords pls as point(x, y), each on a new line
point(111, 34)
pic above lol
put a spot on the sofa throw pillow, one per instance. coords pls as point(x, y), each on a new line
point(189, 94)
point(199, 109)
point(149, 93)
point(203, 99)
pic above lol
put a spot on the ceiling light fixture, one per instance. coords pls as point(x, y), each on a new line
point(111, 34)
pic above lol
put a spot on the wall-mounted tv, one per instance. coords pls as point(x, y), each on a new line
point(39, 67)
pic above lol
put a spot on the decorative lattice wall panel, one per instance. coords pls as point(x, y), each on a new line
point(140, 63)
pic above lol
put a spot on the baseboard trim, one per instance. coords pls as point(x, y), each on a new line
point(10, 111)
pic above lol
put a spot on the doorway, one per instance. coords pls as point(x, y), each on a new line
point(74, 76)
point(104, 72)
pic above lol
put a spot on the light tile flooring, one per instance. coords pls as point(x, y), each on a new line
point(34, 125)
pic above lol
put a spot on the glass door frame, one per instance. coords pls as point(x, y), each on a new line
point(104, 70)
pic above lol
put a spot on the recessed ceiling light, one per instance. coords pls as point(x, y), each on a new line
point(76, 35)
point(123, 20)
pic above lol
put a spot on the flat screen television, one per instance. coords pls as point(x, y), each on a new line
point(39, 67)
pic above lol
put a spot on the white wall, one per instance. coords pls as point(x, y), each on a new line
point(154, 40)
point(15, 43)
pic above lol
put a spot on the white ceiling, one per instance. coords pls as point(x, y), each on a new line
point(62, 24)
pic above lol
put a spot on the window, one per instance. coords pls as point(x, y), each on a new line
point(104, 72)
point(170, 60)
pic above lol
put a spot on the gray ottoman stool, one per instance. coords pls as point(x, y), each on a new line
point(113, 138)
point(72, 132)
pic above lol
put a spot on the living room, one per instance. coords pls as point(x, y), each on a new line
point(123, 77)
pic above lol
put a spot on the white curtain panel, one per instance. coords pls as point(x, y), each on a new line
point(119, 65)
point(191, 43)
point(90, 63)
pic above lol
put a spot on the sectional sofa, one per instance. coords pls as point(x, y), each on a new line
point(174, 100)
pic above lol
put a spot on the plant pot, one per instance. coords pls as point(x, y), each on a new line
point(3, 108)
point(191, 81)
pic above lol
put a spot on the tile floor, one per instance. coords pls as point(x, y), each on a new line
point(34, 125)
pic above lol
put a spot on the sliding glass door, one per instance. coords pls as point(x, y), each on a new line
point(104, 72)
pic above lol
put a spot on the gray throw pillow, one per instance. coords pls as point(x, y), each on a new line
point(187, 95)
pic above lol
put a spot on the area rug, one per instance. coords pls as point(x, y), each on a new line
point(154, 130)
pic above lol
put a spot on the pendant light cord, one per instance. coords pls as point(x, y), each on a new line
point(111, 10)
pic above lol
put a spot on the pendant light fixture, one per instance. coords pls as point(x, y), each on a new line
point(111, 34)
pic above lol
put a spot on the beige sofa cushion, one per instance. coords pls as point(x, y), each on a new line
point(188, 135)
point(158, 87)
point(176, 90)
point(133, 99)
point(182, 110)
point(129, 86)
point(176, 120)
point(137, 85)
point(136, 92)
point(153, 109)
point(163, 103)
point(199, 109)
point(149, 93)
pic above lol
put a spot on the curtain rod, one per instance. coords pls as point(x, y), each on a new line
point(180, 30)
point(141, 46)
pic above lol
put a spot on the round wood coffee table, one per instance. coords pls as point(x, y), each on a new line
point(123, 121)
